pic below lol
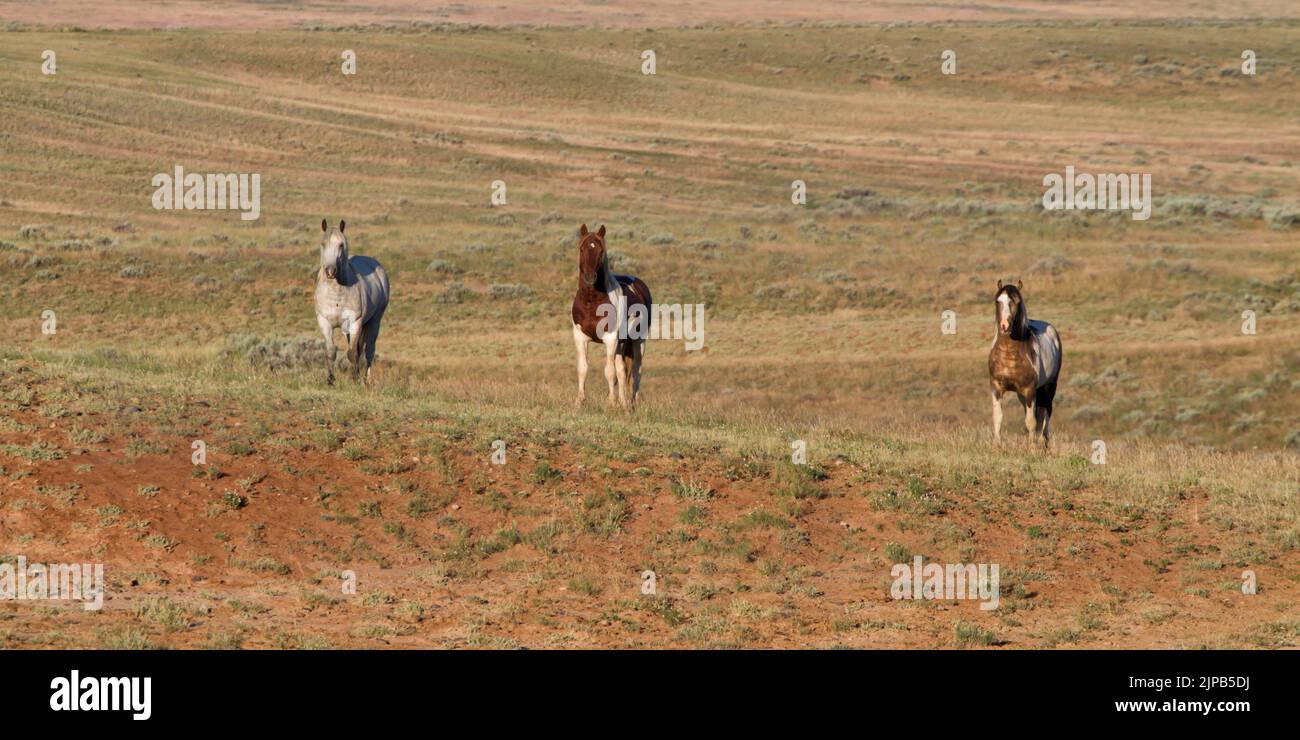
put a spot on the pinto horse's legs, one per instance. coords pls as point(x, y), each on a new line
point(331, 352)
point(580, 343)
point(638, 352)
point(611, 347)
point(623, 374)
point(997, 416)
point(611, 371)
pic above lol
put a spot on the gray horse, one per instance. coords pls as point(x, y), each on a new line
point(352, 294)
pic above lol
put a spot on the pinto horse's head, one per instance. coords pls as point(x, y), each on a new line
point(333, 250)
point(591, 255)
point(1010, 307)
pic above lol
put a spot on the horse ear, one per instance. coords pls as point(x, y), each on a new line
point(342, 225)
point(324, 225)
point(583, 230)
point(601, 232)
point(999, 283)
point(1020, 285)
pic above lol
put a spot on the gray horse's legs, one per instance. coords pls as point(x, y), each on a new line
point(354, 349)
point(370, 335)
point(331, 352)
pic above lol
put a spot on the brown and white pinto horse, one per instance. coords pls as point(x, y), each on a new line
point(1026, 359)
point(613, 310)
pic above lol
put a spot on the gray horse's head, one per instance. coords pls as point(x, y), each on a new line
point(333, 250)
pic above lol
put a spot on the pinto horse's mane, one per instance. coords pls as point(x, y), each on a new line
point(1020, 320)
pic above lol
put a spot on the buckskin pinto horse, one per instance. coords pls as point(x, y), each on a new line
point(613, 310)
point(352, 294)
point(1025, 359)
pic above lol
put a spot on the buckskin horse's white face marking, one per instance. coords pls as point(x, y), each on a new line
point(1004, 312)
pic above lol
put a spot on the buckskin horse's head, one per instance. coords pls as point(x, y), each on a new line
point(591, 255)
point(1010, 307)
point(333, 250)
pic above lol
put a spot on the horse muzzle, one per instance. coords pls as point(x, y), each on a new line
point(589, 280)
point(331, 272)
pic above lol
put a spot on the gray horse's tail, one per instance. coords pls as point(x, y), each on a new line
point(1044, 395)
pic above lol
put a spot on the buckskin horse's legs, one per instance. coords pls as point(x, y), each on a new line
point(997, 416)
point(580, 343)
point(1030, 419)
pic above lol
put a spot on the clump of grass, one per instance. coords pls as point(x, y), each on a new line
point(764, 519)
point(263, 565)
point(662, 607)
point(231, 640)
point(207, 472)
point(325, 440)
point(543, 472)
point(39, 450)
point(247, 607)
point(692, 515)
point(160, 541)
point(688, 489)
point(509, 290)
point(455, 292)
point(966, 634)
point(276, 353)
point(163, 612)
point(443, 266)
point(584, 585)
point(125, 638)
point(914, 499)
point(896, 553)
point(108, 514)
point(603, 514)
point(83, 436)
point(799, 481)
